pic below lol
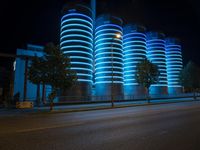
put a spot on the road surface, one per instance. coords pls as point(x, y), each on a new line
point(174, 126)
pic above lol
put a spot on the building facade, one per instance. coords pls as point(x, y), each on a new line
point(156, 54)
point(134, 50)
point(104, 62)
point(108, 54)
point(23, 88)
point(174, 65)
point(76, 42)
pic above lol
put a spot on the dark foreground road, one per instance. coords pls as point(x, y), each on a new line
point(157, 127)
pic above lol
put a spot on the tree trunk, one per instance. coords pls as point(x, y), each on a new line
point(43, 93)
point(52, 96)
point(194, 94)
point(38, 95)
point(148, 98)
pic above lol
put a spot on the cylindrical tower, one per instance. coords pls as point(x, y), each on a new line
point(174, 65)
point(76, 42)
point(108, 56)
point(134, 45)
point(156, 54)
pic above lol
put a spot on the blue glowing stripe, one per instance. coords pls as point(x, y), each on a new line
point(70, 52)
point(75, 36)
point(82, 63)
point(77, 20)
point(155, 45)
point(135, 54)
point(108, 67)
point(173, 45)
point(132, 42)
point(109, 82)
point(109, 77)
point(137, 58)
point(162, 77)
point(82, 74)
point(156, 40)
point(108, 58)
point(174, 83)
point(134, 50)
point(84, 80)
point(131, 84)
point(132, 71)
point(78, 30)
point(179, 53)
point(132, 46)
point(155, 48)
point(80, 57)
point(163, 73)
point(109, 48)
point(130, 74)
point(126, 63)
point(79, 41)
point(76, 46)
point(111, 44)
point(136, 34)
point(180, 66)
point(129, 80)
point(107, 39)
point(169, 58)
point(162, 69)
point(159, 85)
point(157, 60)
point(173, 49)
point(102, 53)
point(173, 71)
point(78, 68)
point(103, 30)
point(109, 25)
point(76, 14)
point(178, 86)
point(108, 62)
point(156, 51)
point(152, 55)
point(173, 79)
point(106, 35)
point(104, 72)
point(133, 38)
point(76, 25)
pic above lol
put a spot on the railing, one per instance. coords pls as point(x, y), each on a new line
point(105, 99)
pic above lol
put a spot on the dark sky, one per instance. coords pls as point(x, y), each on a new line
point(38, 21)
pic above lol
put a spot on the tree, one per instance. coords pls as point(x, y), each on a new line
point(190, 77)
point(36, 74)
point(55, 71)
point(147, 74)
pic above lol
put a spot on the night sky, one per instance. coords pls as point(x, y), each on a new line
point(38, 21)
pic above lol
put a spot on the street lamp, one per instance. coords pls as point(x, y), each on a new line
point(117, 35)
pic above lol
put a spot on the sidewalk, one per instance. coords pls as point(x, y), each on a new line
point(86, 107)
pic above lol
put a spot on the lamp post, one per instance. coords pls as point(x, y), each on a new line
point(118, 35)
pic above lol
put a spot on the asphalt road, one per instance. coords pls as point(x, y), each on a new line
point(173, 126)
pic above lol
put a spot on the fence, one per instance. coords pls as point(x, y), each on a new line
point(103, 99)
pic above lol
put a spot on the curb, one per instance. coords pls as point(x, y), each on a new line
point(108, 107)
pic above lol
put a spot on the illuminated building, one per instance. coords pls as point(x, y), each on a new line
point(108, 56)
point(156, 54)
point(76, 41)
point(174, 65)
point(23, 86)
point(134, 45)
point(107, 62)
